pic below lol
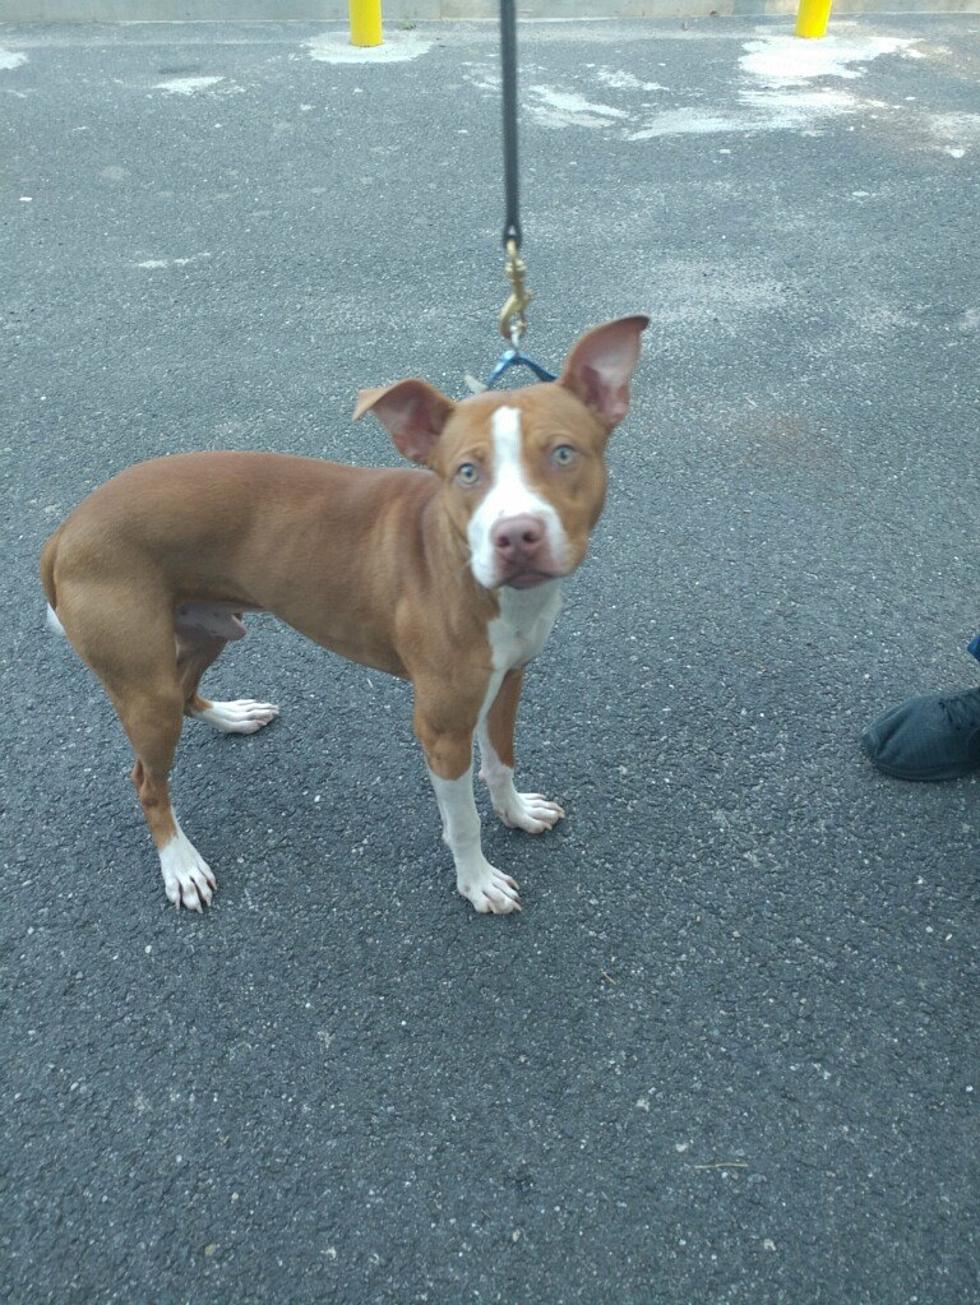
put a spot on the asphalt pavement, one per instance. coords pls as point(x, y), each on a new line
point(728, 1052)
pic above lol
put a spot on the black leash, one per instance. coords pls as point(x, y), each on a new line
point(513, 315)
point(508, 69)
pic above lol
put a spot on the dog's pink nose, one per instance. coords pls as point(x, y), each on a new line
point(517, 538)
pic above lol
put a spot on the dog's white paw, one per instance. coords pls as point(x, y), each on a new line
point(529, 811)
point(187, 877)
point(243, 716)
point(489, 889)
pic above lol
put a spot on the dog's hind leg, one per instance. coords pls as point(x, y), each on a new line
point(152, 718)
point(199, 642)
point(131, 650)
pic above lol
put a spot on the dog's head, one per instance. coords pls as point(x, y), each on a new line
point(523, 473)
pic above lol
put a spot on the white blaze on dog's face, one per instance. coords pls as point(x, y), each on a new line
point(523, 472)
point(524, 482)
point(515, 533)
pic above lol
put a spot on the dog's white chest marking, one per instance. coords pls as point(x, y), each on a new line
point(518, 634)
point(520, 631)
point(525, 621)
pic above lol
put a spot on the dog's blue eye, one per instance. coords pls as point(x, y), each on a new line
point(563, 455)
point(468, 473)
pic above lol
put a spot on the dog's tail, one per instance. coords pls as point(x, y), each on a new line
point(48, 553)
point(54, 625)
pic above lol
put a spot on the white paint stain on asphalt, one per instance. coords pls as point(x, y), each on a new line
point(776, 92)
point(780, 68)
point(153, 264)
point(12, 58)
point(788, 61)
point(187, 85)
point(625, 81)
point(688, 122)
point(555, 108)
point(398, 47)
point(955, 132)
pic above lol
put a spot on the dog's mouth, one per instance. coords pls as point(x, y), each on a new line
point(529, 579)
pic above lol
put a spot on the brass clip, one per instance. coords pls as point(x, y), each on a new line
point(513, 321)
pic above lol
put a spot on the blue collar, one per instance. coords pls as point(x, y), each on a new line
point(514, 358)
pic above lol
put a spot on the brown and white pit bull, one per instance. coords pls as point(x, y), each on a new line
point(449, 578)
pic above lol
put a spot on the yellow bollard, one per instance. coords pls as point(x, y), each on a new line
point(365, 22)
point(811, 19)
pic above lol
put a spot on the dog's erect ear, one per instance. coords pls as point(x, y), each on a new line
point(599, 368)
point(413, 412)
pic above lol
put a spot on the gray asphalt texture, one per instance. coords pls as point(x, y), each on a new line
point(728, 1053)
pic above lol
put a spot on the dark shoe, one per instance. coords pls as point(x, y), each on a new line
point(932, 738)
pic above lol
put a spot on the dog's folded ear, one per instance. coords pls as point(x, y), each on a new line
point(413, 412)
point(601, 364)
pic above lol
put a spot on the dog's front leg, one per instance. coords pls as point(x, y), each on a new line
point(449, 757)
point(531, 812)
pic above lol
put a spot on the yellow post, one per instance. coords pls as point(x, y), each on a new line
point(365, 22)
point(811, 19)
